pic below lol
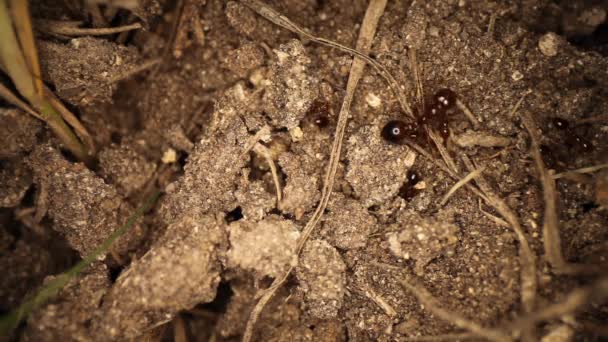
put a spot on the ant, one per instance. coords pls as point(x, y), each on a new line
point(434, 117)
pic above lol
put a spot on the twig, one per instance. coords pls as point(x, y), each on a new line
point(551, 237)
point(518, 104)
point(71, 29)
point(574, 301)
point(135, 70)
point(468, 113)
point(445, 155)
point(71, 119)
point(460, 184)
point(381, 302)
point(431, 304)
point(526, 255)
point(277, 18)
point(597, 118)
point(23, 24)
point(445, 337)
point(263, 151)
point(11, 98)
point(21, 66)
point(368, 30)
point(589, 169)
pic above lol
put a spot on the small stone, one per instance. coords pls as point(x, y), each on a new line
point(373, 100)
point(548, 44)
point(517, 76)
point(169, 156)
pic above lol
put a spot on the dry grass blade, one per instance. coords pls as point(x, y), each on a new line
point(14, 63)
point(445, 337)
point(527, 259)
point(71, 119)
point(275, 17)
point(23, 25)
point(431, 304)
point(11, 98)
point(589, 169)
point(460, 184)
point(577, 299)
point(263, 151)
point(551, 237)
point(71, 28)
point(366, 35)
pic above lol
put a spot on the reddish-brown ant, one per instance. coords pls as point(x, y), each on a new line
point(434, 117)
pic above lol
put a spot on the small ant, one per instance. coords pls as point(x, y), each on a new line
point(318, 114)
point(408, 189)
point(434, 116)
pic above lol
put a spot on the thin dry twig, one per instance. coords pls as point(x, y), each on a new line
point(431, 304)
point(573, 302)
point(366, 35)
point(589, 169)
point(135, 70)
point(460, 184)
point(444, 337)
point(468, 113)
point(11, 98)
point(527, 258)
point(551, 236)
point(445, 155)
point(72, 29)
point(379, 300)
point(263, 151)
point(279, 19)
point(23, 25)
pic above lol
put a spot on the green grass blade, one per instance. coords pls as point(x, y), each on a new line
point(10, 321)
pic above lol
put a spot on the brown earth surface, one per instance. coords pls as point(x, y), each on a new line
point(240, 110)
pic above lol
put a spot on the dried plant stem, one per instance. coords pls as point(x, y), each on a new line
point(445, 337)
point(589, 169)
point(431, 304)
point(574, 301)
point(71, 28)
point(366, 35)
point(460, 184)
point(278, 19)
point(23, 69)
point(527, 259)
point(263, 151)
point(11, 98)
point(551, 238)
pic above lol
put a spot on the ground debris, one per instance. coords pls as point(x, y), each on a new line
point(68, 315)
point(15, 181)
point(291, 87)
point(301, 191)
point(179, 271)
point(84, 70)
point(124, 167)
point(267, 248)
point(348, 224)
point(422, 239)
point(322, 277)
point(84, 209)
point(18, 133)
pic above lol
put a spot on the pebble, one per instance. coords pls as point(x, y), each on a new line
point(548, 44)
